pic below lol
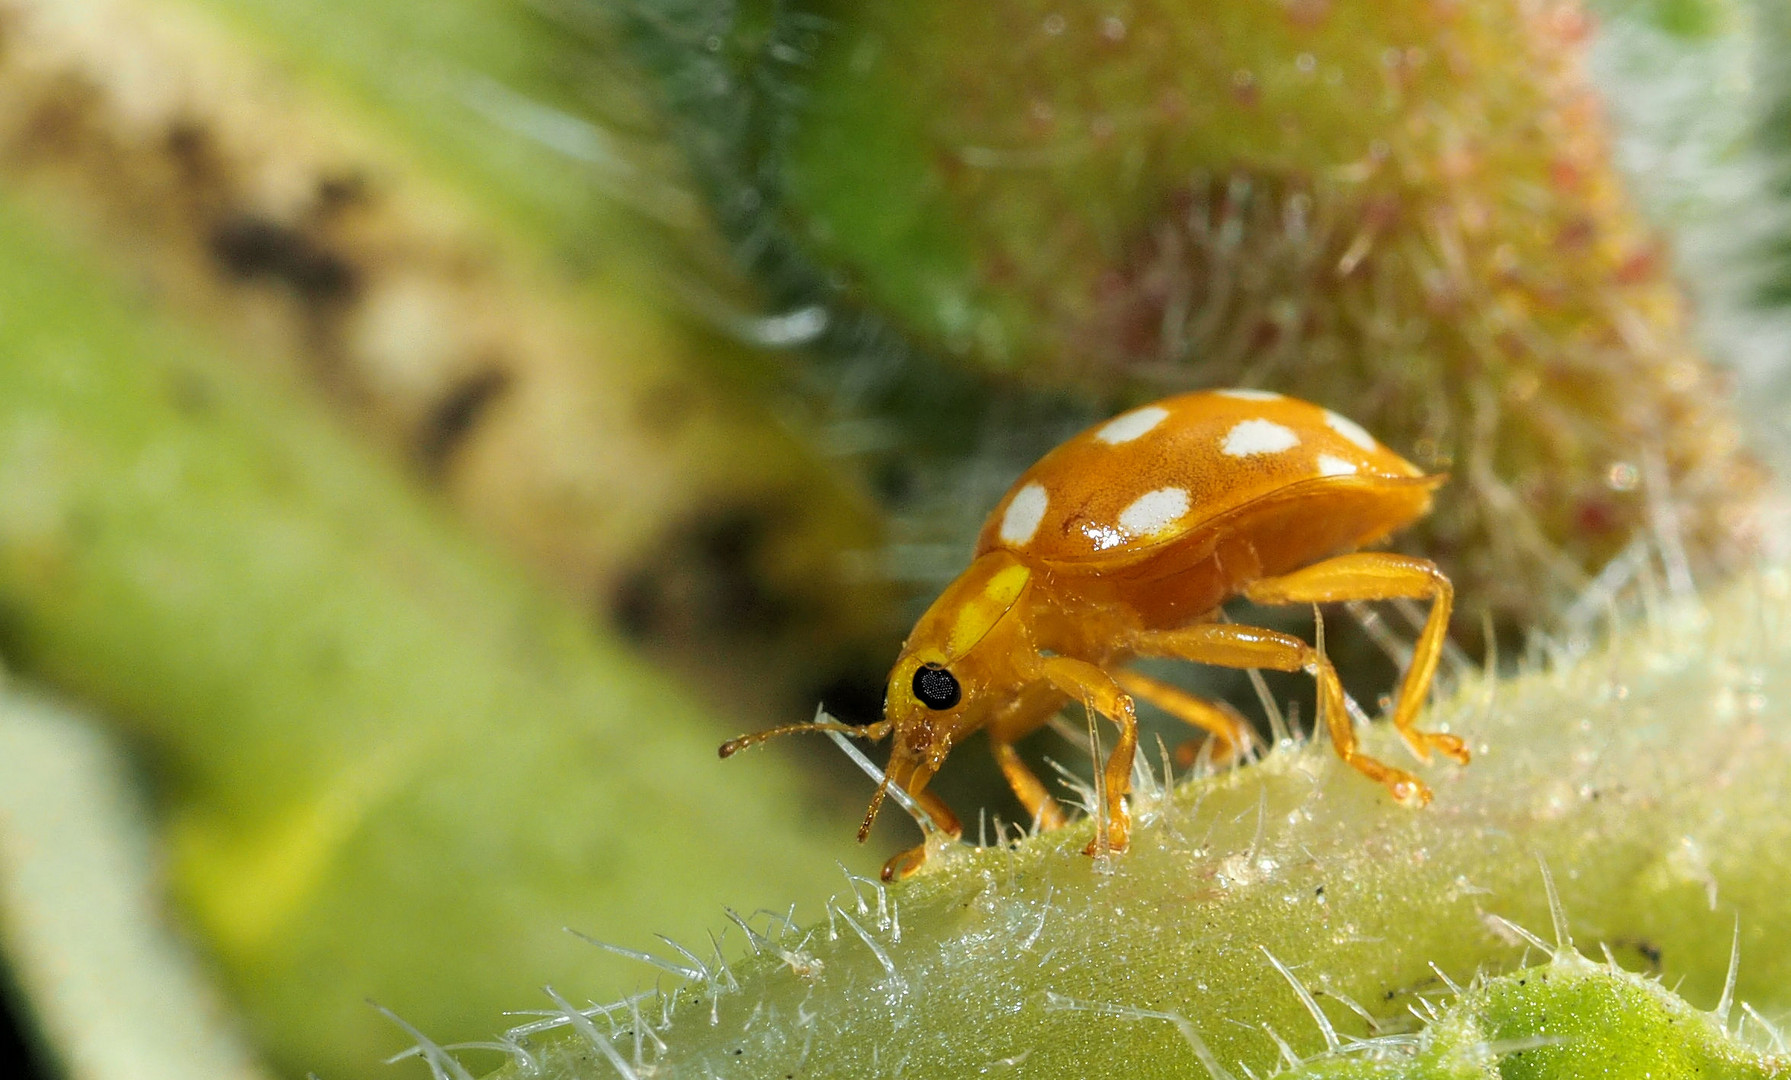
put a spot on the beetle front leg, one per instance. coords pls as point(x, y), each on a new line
point(1379, 575)
point(1084, 682)
point(946, 824)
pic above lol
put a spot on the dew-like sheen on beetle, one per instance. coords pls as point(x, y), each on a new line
point(1123, 543)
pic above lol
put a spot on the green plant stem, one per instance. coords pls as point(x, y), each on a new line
point(1632, 799)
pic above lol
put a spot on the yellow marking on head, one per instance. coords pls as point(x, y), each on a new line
point(977, 615)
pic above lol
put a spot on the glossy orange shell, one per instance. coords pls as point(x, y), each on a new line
point(1185, 469)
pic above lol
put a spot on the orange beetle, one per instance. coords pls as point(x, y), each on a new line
point(1123, 543)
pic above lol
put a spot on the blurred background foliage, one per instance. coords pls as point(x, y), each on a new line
point(424, 434)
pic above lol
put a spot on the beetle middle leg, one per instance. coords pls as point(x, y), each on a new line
point(1026, 713)
point(1027, 786)
point(1218, 719)
point(1380, 575)
point(1234, 646)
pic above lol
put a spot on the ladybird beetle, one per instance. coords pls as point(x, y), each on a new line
point(1122, 543)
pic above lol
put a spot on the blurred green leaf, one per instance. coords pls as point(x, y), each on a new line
point(390, 766)
point(112, 986)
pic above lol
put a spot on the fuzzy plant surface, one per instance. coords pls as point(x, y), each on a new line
point(1630, 799)
point(460, 233)
point(385, 763)
point(1408, 211)
point(1566, 1019)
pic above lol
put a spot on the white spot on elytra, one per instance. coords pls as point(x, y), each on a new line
point(1243, 394)
point(1154, 511)
point(1024, 512)
point(1133, 424)
point(1259, 437)
point(1350, 430)
point(1335, 466)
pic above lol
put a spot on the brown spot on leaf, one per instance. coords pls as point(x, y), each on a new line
point(705, 581)
point(666, 409)
point(338, 191)
point(191, 148)
point(1596, 517)
point(1640, 266)
point(1307, 14)
point(1577, 235)
point(456, 417)
point(61, 120)
point(250, 247)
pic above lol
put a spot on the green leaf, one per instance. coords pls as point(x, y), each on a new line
point(113, 988)
point(388, 763)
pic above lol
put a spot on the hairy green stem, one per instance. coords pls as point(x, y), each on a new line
point(1632, 799)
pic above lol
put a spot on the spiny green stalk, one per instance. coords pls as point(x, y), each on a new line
point(1405, 210)
point(1566, 1019)
point(1646, 779)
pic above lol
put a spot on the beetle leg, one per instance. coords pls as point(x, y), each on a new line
point(1031, 790)
point(1380, 575)
point(947, 823)
point(1026, 713)
point(1086, 683)
point(1234, 646)
point(1222, 721)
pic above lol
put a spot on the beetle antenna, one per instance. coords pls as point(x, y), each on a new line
point(872, 732)
point(864, 831)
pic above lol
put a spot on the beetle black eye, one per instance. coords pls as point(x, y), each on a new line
point(936, 687)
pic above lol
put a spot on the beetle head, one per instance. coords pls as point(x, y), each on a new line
point(957, 665)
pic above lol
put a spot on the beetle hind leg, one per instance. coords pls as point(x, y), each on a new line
point(1233, 646)
point(1379, 575)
